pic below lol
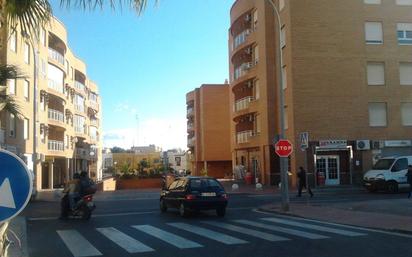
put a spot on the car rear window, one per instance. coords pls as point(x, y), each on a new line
point(204, 184)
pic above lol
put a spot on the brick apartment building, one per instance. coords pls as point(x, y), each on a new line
point(347, 82)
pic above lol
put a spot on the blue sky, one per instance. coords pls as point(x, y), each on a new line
point(145, 65)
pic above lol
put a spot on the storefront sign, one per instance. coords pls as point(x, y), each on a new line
point(398, 143)
point(333, 143)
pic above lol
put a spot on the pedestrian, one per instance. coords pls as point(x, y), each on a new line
point(409, 179)
point(302, 182)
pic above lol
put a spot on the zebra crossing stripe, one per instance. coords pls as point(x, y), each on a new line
point(314, 227)
point(126, 242)
point(283, 230)
point(77, 244)
point(247, 231)
point(167, 237)
point(222, 238)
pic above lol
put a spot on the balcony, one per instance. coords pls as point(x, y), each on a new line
point(80, 86)
point(243, 103)
point(54, 55)
point(242, 70)
point(191, 142)
point(56, 86)
point(190, 126)
point(94, 122)
point(56, 116)
point(241, 38)
point(189, 111)
point(244, 136)
point(94, 105)
point(57, 146)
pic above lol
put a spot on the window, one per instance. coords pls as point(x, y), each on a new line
point(79, 122)
point(26, 53)
point(284, 78)
point(12, 86)
point(405, 74)
point(281, 4)
point(404, 2)
point(79, 103)
point(55, 78)
point(401, 164)
point(376, 73)
point(66, 141)
point(255, 19)
point(373, 33)
point(257, 124)
point(26, 129)
point(372, 1)
point(26, 90)
point(377, 115)
point(42, 36)
point(283, 37)
point(257, 89)
point(404, 31)
point(13, 42)
point(406, 113)
point(72, 73)
point(43, 67)
point(12, 125)
point(256, 53)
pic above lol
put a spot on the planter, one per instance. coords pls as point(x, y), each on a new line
point(138, 183)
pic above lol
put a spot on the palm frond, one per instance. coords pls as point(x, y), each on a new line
point(9, 104)
point(9, 72)
point(137, 5)
point(29, 15)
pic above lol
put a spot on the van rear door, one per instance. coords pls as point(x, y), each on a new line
point(399, 169)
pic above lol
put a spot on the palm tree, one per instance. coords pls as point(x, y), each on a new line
point(7, 102)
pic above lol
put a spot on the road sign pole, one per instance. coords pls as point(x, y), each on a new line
point(284, 184)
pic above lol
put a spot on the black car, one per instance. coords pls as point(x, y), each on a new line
point(192, 194)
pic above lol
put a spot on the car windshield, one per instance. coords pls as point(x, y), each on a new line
point(204, 184)
point(383, 164)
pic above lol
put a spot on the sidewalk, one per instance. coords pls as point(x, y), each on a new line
point(369, 219)
point(247, 189)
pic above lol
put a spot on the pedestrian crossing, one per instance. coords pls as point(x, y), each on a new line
point(232, 232)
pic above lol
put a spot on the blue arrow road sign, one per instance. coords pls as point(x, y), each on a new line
point(15, 185)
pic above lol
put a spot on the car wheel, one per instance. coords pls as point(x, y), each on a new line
point(221, 212)
point(163, 206)
point(392, 187)
point(183, 211)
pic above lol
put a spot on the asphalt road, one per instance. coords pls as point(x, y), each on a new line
point(136, 228)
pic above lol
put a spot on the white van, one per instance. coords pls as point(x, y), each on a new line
point(389, 174)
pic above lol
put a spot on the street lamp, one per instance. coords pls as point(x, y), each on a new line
point(283, 160)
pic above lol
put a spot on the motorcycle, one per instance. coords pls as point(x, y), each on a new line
point(83, 208)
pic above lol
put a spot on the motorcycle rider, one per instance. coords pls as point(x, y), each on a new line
point(72, 190)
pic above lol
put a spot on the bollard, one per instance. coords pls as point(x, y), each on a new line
point(235, 187)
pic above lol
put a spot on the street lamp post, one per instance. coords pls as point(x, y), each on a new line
point(283, 160)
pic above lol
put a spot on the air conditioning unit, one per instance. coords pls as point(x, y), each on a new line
point(377, 144)
point(248, 17)
point(363, 145)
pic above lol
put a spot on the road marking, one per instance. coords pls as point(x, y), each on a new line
point(314, 227)
point(126, 242)
point(98, 215)
point(222, 238)
point(345, 226)
point(247, 231)
point(170, 238)
point(283, 230)
point(77, 244)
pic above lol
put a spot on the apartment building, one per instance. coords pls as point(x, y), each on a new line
point(347, 83)
point(59, 132)
point(208, 130)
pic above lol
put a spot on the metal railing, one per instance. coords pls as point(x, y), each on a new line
point(244, 136)
point(57, 86)
point(56, 115)
point(79, 85)
point(53, 54)
point(241, 38)
point(54, 145)
point(243, 103)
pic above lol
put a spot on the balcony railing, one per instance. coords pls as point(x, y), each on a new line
point(94, 122)
point(79, 85)
point(242, 69)
point(190, 125)
point(55, 85)
point(53, 54)
point(54, 145)
point(244, 136)
point(56, 115)
point(189, 111)
point(241, 38)
point(243, 103)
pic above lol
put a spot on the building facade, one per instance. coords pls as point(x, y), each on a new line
point(347, 83)
point(59, 131)
point(177, 160)
point(208, 130)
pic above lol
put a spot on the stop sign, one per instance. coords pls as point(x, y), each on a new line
point(283, 148)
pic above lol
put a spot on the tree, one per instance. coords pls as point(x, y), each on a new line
point(117, 150)
point(7, 102)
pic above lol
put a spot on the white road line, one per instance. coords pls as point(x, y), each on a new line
point(169, 238)
point(126, 242)
point(294, 232)
point(314, 227)
point(247, 231)
point(346, 226)
point(222, 238)
point(77, 244)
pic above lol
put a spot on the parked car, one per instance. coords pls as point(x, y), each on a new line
point(192, 194)
point(388, 174)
